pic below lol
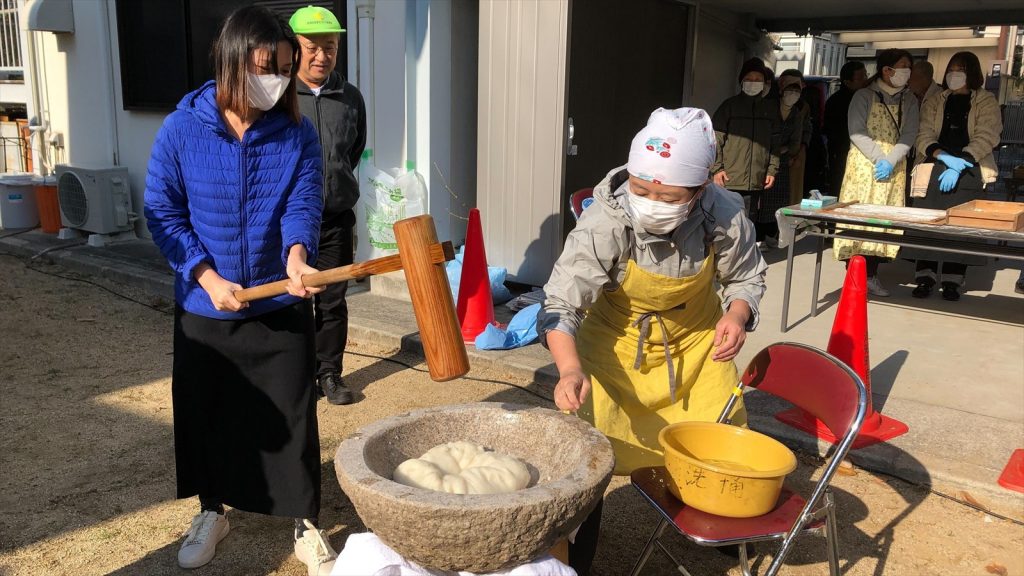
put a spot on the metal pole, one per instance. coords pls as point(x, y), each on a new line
point(789, 283)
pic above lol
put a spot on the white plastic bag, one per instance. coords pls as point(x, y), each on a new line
point(386, 198)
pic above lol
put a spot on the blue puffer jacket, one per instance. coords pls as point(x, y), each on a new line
point(238, 206)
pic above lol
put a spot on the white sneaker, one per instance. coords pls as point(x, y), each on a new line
point(313, 550)
point(208, 528)
point(875, 287)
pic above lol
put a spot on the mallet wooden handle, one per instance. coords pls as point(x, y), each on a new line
point(439, 252)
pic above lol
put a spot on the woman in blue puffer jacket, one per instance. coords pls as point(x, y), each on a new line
point(233, 199)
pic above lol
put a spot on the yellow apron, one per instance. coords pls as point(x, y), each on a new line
point(859, 184)
point(631, 324)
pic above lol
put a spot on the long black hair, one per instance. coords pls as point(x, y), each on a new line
point(248, 29)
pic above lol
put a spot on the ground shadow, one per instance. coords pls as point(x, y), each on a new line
point(883, 377)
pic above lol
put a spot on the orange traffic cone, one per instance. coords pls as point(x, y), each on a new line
point(475, 307)
point(849, 343)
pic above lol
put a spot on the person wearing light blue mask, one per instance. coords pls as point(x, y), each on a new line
point(233, 199)
point(883, 120)
point(960, 127)
point(632, 318)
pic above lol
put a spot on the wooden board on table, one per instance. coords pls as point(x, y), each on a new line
point(892, 213)
point(988, 214)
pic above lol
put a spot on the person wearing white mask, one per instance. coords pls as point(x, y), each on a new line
point(632, 317)
point(795, 120)
point(233, 199)
point(883, 121)
point(747, 129)
point(338, 111)
point(960, 127)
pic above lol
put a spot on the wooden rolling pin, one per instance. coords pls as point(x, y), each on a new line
point(438, 253)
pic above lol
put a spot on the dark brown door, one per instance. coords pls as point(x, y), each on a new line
point(625, 60)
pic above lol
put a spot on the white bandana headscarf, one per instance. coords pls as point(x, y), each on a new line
point(676, 148)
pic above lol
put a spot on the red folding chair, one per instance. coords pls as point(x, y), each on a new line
point(805, 377)
point(579, 200)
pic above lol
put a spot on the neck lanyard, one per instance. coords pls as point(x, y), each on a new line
point(898, 123)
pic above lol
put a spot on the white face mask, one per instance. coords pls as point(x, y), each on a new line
point(752, 88)
point(266, 89)
point(656, 217)
point(900, 77)
point(956, 80)
point(790, 98)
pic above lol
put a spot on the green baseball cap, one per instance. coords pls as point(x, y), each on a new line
point(314, 20)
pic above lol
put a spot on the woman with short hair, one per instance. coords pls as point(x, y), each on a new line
point(883, 120)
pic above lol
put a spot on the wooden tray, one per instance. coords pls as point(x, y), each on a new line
point(988, 214)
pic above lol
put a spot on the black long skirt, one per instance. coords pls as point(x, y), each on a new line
point(245, 428)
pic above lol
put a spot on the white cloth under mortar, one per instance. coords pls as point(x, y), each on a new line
point(366, 555)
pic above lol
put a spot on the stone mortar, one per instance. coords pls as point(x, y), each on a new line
point(570, 464)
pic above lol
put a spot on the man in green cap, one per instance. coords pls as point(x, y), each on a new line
point(337, 110)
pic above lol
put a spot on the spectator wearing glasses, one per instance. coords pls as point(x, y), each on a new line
point(337, 110)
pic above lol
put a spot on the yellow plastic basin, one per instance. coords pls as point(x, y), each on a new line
point(725, 470)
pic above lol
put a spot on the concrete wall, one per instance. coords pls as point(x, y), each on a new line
point(939, 57)
point(719, 55)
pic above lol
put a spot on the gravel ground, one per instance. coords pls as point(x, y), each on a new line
point(86, 457)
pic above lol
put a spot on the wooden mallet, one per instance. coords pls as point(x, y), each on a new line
point(422, 258)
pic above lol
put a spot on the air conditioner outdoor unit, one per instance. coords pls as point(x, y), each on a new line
point(96, 200)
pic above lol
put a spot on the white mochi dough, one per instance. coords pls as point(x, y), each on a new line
point(463, 468)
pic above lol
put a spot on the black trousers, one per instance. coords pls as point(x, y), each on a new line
point(331, 309)
point(583, 550)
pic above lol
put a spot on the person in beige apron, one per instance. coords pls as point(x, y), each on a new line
point(883, 121)
point(633, 316)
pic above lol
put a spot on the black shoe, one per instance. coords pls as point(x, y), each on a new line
point(950, 291)
point(924, 288)
point(1019, 287)
point(334, 389)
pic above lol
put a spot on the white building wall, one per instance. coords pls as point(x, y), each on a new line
point(421, 92)
point(522, 118)
point(80, 99)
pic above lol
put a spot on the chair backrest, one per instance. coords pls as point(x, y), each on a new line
point(579, 200)
point(813, 380)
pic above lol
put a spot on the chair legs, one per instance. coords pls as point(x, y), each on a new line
point(744, 560)
point(831, 543)
point(831, 534)
point(651, 543)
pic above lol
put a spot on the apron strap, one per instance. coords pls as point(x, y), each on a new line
point(644, 322)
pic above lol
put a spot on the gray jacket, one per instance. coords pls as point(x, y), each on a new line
point(598, 250)
point(908, 119)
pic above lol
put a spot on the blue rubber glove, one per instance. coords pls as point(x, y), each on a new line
point(947, 180)
point(883, 169)
point(954, 163)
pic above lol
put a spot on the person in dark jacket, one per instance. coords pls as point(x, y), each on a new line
point(339, 114)
point(747, 128)
point(233, 199)
point(837, 133)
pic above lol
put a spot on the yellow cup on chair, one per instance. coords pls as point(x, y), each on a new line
point(725, 470)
